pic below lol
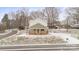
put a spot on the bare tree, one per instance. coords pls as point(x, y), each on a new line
point(52, 14)
point(20, 17)
point(73, 13)
point(37, 14)
point(67, 23)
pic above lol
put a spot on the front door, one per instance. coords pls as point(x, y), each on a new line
point(37, 31)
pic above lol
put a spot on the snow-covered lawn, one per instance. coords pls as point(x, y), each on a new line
point(52, 38)
point(31, 39)
point(67, 37)
point(41, 39)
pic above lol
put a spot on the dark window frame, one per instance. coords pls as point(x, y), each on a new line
point(42, 29)
point(34, 29)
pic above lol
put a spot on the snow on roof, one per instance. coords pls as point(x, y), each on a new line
point(41, 21)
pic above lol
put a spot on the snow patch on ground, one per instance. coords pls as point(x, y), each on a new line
point(67, 37)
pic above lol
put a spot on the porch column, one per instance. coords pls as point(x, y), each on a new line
point(39, 31)
point(36, 31)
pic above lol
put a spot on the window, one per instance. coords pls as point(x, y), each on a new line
point(42, 29)
point(38, 30)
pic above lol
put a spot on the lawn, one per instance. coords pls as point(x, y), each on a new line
point(57, 36)
point(73, 32)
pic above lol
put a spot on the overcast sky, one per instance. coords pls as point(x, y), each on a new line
point(4, 10)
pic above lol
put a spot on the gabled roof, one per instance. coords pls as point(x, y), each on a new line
point(37, 21)
point(38, 26)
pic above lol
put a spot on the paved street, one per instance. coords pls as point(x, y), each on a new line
point(40, 47)
point(8, 34)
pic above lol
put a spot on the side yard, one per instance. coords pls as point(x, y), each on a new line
point(73, 32)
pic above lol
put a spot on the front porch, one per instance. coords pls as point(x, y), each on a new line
point(38, 32)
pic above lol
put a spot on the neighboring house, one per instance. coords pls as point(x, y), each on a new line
point(38, 27)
